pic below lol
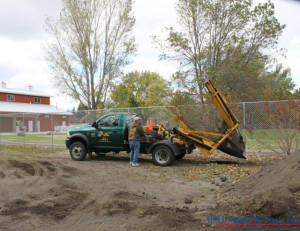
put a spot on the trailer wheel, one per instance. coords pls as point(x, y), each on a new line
point(180, 156)
point(78, 151)
point(163, 156)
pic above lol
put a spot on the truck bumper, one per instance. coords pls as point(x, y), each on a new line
point(68, 143)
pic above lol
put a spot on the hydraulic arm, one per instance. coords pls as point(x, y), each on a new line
point(229, 141)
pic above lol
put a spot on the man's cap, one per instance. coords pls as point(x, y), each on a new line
point(137, 118)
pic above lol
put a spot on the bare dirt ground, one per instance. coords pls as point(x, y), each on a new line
point(40, 190)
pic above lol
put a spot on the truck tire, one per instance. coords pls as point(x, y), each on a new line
point(162, 156)
point(78, 151)
point(180, 156)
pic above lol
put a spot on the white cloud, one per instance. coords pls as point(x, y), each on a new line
point(25, 63)
point(151, 63)
point(287, 12)
point(27, 58)
point(22, 34)
point(151, 18)
point(23, 19)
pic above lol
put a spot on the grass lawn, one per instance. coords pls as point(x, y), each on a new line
point(41, 138)
point(27, 152)
point(264, 139)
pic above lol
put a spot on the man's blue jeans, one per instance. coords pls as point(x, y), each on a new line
point(134, 151)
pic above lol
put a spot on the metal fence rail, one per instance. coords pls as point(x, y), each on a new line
point(50, 129)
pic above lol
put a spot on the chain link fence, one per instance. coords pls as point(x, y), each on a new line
point(272, 125)
point(260, 122)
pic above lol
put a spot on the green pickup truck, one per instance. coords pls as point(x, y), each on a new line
point(109, 133)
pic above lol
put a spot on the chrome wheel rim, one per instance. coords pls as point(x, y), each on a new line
point(77, 151)
point(162, 156)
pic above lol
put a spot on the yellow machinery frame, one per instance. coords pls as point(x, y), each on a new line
point(185, 135)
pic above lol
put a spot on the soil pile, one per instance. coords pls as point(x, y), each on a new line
point(274, 190)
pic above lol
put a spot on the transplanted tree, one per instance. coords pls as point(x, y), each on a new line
point(296, 94)
point(90, 42)
point(278, 83)
point(225, 40)
point(142, 89)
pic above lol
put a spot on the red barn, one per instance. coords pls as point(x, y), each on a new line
point(30, 111)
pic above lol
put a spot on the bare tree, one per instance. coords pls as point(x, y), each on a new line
point(90, 42)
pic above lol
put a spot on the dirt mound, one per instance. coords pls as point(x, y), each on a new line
point(175, 218)
point(274, 190)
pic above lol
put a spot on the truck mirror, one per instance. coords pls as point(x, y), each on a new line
point(95, 124)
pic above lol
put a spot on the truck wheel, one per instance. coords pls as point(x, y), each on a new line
point(78, 151)
point(180, 156)
point(163, 156)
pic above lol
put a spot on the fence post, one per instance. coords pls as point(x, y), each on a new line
point(52, 131)
point(244, 115)
point(0, 129)
point(24, 130)
point(86, 116)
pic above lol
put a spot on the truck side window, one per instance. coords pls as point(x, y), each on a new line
point(129, 119)
point(109, 121)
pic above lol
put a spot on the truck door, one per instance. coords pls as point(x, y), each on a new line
point(109, 133)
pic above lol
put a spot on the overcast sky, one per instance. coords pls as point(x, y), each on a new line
point(22, 35)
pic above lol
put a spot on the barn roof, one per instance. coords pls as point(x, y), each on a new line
point(24, 92)
point(14, 107)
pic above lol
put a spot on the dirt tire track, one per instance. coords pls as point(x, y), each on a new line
point(2, 175)
point(49, 166)
point(26, 167)
point(56, 197)
point(61, 206)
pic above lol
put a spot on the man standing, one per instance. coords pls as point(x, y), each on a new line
point(136, 132)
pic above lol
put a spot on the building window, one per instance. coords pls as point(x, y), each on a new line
point(46, 116)
point(64, 117)
point(37, 100)
point(10, 98)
